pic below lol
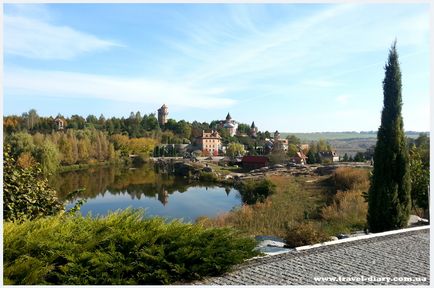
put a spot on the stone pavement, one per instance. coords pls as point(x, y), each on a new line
point(400, 255)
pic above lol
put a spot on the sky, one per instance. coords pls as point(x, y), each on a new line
point(288, 67)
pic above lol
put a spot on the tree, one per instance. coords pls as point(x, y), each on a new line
point(26, 194)
point(311, 157)
point(359, 157)
point(235, 149)
point(345, 159)
point(48, 157)
point(389, 197)
point(292, 139)
point(419, 181)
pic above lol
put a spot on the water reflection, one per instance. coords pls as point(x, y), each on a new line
point(112, 188)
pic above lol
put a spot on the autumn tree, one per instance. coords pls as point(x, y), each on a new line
point(389, 194)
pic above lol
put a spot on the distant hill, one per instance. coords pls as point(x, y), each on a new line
point(315, 136)
point(346, 142)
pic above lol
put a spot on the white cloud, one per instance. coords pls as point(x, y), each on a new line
point(35, 83)
point(33, 38)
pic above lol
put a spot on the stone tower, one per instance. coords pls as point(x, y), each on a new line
point(253, 130)
point(276, 143)
point(163, 112)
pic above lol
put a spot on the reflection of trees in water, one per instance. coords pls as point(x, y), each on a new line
point(143, 181)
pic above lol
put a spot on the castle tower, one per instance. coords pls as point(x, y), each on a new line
point(228, 117)
point(163, 112)
point(276, 144)
point(253, 130)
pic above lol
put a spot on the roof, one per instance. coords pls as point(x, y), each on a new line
point(328, 153)
point(229, 125)
point(254, 159)
point(253, 125)
point(301, 155)
point(228, 117)
point(401, 255)
point(210, 135)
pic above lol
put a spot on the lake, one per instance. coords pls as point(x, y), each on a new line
point(112, 188)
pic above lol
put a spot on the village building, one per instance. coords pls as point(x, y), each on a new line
point(254, 162)
point(210, 142)
point(278, 143)
point(60, 123)
point(163, 112)
point(328, 156)
point(299, 158)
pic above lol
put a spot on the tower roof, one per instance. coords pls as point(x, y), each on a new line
point(253, 125)
point(228, 117)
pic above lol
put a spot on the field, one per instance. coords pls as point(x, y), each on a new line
point(345, 142)
point(315, 136)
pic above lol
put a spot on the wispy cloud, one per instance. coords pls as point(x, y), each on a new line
point(36, 83)
point(27, 36)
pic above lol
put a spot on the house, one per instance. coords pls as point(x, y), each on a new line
point(299, 158)
point(209, 142)
point(328, 156)
point(60, 123)
point(254, 162)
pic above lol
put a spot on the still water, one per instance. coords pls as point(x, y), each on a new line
point(112, 188)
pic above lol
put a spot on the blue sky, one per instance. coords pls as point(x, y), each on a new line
point(290, 67)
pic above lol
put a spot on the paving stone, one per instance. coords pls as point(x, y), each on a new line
point(399, 255)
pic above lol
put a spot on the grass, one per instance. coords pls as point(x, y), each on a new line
point(325, 205)
point(292, 202)
point(121, 248)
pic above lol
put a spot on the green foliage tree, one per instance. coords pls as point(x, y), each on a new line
point(26, 194)
point(235, 149)
point(48, 156)
point(292, 150)
point(243, 128)
point(20, 142)
point(311, 157)
point(359, 157)
point(292, 139)
point(389, 197)
point(345, 158)
point(419, 181)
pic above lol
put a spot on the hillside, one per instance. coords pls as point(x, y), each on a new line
point(346, 142)
point(315, 136)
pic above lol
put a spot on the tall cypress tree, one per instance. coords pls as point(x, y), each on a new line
point(389, 193)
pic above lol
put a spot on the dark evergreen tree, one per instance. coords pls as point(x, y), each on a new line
point(389, 194)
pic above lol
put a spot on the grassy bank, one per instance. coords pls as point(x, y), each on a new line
point(84, 166)
point(121, 248)
point(294, 200)
point(330, 204)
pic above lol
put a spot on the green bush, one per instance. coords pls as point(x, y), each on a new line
point(207, 177)
point(26, 194)
point(306, 233)
point(253, 191)
point(121, 248)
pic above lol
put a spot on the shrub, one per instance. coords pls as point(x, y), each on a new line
point(347, 212)
point(207, 176)
point(121, 248)
point(305, 233)
point(26, 194)
point(253, 191)
point(346, 178)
